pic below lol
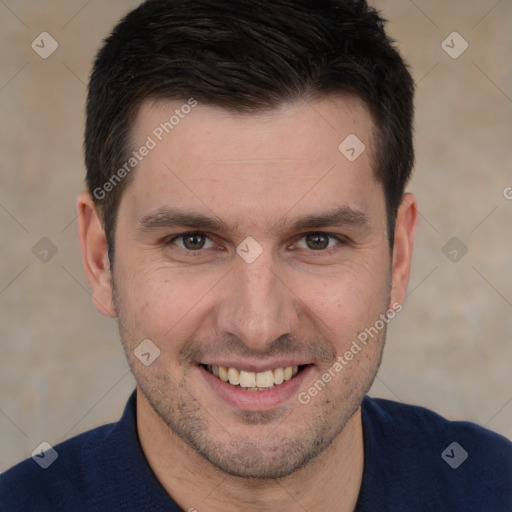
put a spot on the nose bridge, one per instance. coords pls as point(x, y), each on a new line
point(258, 307)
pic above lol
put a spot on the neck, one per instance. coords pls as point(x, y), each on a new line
point(329, 482)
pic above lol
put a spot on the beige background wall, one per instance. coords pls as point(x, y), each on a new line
point(62, 369)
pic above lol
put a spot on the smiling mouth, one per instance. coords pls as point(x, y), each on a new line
point(254, 381)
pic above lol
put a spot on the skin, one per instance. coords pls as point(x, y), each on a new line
point(258, 174)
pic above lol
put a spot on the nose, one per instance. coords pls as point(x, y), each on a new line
point(257, 306)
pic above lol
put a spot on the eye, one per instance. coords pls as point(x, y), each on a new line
point(318, 241)
point(193, 241)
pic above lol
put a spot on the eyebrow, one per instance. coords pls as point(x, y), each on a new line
point(343, 216)
point(174, 218)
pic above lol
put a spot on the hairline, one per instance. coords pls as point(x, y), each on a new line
point(373, 145)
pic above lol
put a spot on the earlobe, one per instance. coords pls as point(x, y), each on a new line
point(405, 228)
point(95, 254)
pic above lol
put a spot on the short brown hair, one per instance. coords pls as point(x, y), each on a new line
point(246, 56)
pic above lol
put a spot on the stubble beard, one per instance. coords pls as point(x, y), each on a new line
point(287, 445)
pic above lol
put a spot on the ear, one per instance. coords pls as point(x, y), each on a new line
point(405, 228)
point(95, 254)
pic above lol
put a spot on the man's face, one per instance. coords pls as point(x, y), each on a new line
point(314, 273)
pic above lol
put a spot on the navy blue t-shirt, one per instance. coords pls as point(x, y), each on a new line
point(414, 460)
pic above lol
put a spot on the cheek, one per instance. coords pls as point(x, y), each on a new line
point(347, 301)
point(161, 303)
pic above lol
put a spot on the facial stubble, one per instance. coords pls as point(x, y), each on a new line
point(249, 444)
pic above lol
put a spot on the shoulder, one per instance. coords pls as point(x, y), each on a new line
point(102, 469)
point(35, 483)
point(391, 418)
point(429, 459)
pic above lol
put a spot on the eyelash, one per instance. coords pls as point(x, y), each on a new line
point(342, 240)
point(338, 238)
point(171, 240)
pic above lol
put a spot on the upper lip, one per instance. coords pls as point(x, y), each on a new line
point(257, 367)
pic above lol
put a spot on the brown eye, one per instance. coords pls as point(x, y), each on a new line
point(193, 241)
point(317, 241)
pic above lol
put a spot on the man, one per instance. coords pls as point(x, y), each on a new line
point(246, 223)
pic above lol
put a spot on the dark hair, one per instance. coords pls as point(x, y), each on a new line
point(246, 56)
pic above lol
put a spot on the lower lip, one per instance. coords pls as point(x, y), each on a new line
point(256, 400)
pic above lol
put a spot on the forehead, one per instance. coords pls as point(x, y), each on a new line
point(264, 162)
point(324, 122)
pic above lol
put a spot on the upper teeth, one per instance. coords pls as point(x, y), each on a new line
point(259, 380)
